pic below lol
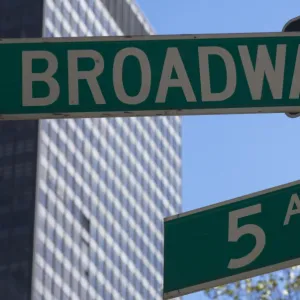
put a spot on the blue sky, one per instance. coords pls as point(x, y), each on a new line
point(229, 156)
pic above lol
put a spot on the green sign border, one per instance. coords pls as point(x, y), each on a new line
point(241, 276)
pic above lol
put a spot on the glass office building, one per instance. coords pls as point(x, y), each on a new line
point(84, 199)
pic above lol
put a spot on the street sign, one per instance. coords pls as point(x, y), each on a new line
point(292, 25)
point(149, 75)
point(232, 240)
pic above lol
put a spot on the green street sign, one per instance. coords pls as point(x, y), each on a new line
point(232, 240)
point(150, 75)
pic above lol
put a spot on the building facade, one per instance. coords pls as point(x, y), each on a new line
point(94, 191)
point(18, 166)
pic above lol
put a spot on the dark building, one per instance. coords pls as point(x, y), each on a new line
point(18, 164)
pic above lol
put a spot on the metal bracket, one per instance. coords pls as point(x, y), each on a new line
point(292, 25)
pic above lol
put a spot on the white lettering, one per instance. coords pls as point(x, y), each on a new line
point(207, 95)
point(47, 76)
point(290, 212)
point(263, 66)
point(236, 231)
point(173, 60)
point(295, 88)
point(118, 76)
point(90, 76)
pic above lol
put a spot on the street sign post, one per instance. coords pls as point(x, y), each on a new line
point(292, 25)
point(149, 75)
point(232, 240)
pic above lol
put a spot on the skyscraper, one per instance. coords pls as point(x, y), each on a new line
point(84, 199)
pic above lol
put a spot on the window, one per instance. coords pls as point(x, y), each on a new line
point(125, 18)
point(29, 170)
point(52, 159)
point(20, 146)
point(78, 166)
point(75, 285)
point(83, 293)
point(94, 185)
point(68, 202)
point(94, 282)
point(60, 190)
point(56, 22)
point(49, 259)
point(59, 241)
point(50, 231)
point(67, 276)
point(19, 170)
point(78, 186)
point(64, 296)
point(84, 257)
point(61, 144)
point(9, 149)
point(39, 271)
point(89, 22)
point(7, 172)
point(70, 180)
point(67, 249)
point(23, 201)
point(85, 222)
point(86, 175)
point(57, 266)
point(57, 291)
